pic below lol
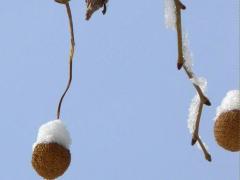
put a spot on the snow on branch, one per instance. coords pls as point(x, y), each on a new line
point(195, 104)
point(187, 55)
point(170, 14)
point(173, 20)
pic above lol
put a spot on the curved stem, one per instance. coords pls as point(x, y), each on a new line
point(70, 59)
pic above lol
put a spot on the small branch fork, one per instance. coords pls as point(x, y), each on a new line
point(72, 46)
point(203, 99)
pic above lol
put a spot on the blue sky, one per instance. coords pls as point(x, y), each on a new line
point(128, 105)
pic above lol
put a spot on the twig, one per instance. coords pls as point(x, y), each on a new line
point(196, 130)
point(203, 99)
point(206, 153)
point(70, 59)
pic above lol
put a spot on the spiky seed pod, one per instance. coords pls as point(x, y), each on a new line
point(62, 1)
point(94, 5)
point(227, 130)
point(50, 160)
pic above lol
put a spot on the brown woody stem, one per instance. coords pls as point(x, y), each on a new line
point(70, 59)
point(179, 7)
point(203, 99)
point(196, 130)
point(206, 153)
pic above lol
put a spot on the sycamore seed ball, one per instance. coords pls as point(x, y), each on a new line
point(227, 124)
point(50, 160)
point(227, 130)
point(51, 155)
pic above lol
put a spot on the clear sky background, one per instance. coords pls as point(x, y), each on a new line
point(128, 105)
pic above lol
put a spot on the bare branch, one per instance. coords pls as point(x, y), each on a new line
point(179, 6)
point(196, 130)
point(203, 99)
point(206, 153)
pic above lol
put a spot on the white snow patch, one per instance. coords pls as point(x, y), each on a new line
point(53, 132)
point(230, 102)
point(193, 110)
point(199, 81)
point(170, 14)
point(187, 55)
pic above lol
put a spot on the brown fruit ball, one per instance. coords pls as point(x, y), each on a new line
point(227, 130)
point(50, 160)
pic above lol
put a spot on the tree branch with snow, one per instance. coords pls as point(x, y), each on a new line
point(198, 102)
point(173, 21)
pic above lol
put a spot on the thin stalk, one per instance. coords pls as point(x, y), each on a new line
point(72, 46)
point(196, 130)
point(206, 153)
